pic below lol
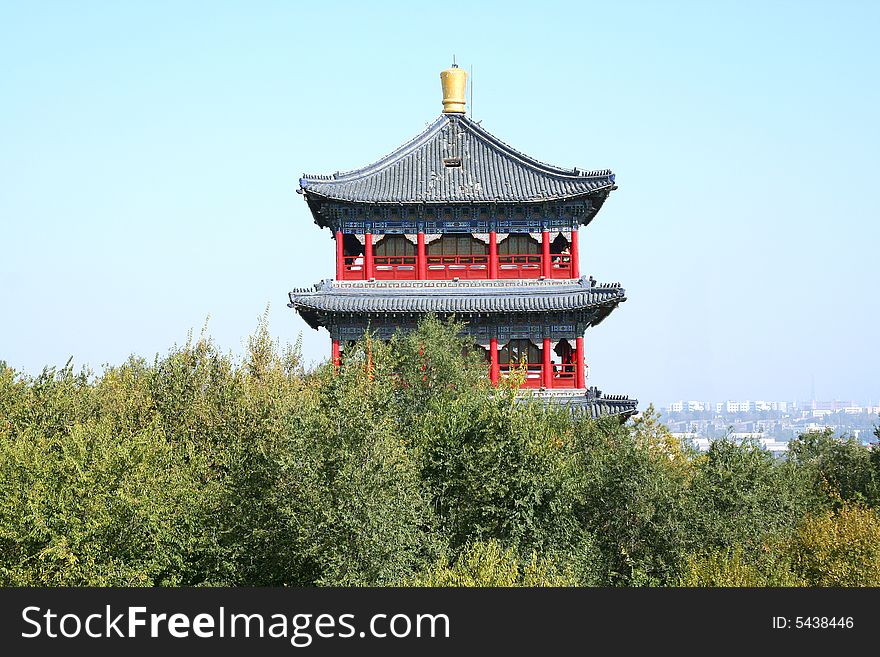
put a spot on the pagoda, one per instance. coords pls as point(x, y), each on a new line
point(457, 223)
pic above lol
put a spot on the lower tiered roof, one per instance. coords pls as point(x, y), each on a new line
point(591, 400)
point(461, 298)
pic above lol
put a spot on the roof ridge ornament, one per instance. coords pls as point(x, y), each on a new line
point(453, 82)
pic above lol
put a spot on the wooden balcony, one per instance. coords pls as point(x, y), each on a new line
point(448, 267)
point(560, 265)
point(465, 267)
point(562, 376)
point(461, 256)
point(353, 268)
point(534, 373)
point(519, 266)
point(395, 268)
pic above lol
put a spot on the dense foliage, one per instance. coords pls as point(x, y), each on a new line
point(404, 466)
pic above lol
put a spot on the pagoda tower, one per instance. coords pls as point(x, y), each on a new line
point(456, 222)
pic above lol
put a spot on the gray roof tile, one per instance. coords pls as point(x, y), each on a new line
point(490, 171)
point(592, 400)
point(466, 299)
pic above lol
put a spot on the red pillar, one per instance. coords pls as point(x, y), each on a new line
point(421, 260)
point(493, 255)
point(337, 361)
point(340, 257)
point(545, 254)
point(493, 361)
point(575, 255)
point(548, 366)
point(368, 256)
point(579, 366)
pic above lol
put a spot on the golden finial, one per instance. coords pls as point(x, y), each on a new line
point(453, 80)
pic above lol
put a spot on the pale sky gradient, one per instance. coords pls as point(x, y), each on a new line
point(150, 153)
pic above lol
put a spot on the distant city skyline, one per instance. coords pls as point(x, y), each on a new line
point(875, 402)
point(736, 405)
point(151, 156)
point(772, 423)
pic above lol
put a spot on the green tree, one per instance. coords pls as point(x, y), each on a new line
point(839, 548)
point(632, 498)
point(402, 465)
point(85, 508)
point(741, 497)
point(732, 568)
point(494, 467)
point(842, 468)
point(489, 564)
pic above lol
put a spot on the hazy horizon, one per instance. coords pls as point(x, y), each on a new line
point(151, 154)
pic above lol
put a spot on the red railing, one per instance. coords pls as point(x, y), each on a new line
point(560, 265)
point(395, 268)
point(465, 267)
point(534, 373)
point(447, 267)
point(563, 375)
point(353, 268)
point(530, 265)
point(519, 265)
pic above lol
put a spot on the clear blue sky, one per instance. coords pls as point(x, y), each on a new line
point(150, 152)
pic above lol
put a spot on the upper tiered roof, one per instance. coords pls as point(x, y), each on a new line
point(453, 161)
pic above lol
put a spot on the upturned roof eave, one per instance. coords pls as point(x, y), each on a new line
point(328, 301)
point(316, 317)
point(319, 197)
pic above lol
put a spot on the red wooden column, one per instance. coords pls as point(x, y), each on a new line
point(493, 254)
point(579, 367)
point(337, 361)
point(493, 361)
point(340, 257)
point(575, 255)
point(368, 256)
point(547, 369)
point(421, 259)
point(545, 254)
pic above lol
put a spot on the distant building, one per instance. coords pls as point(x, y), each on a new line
point(814, 426)
point(832, 406)
point(775, 446)
point(739, 436)
point(702, 444)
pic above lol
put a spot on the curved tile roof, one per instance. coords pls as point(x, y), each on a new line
point(326, 299)
point(592, 400)
point(456, 160)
